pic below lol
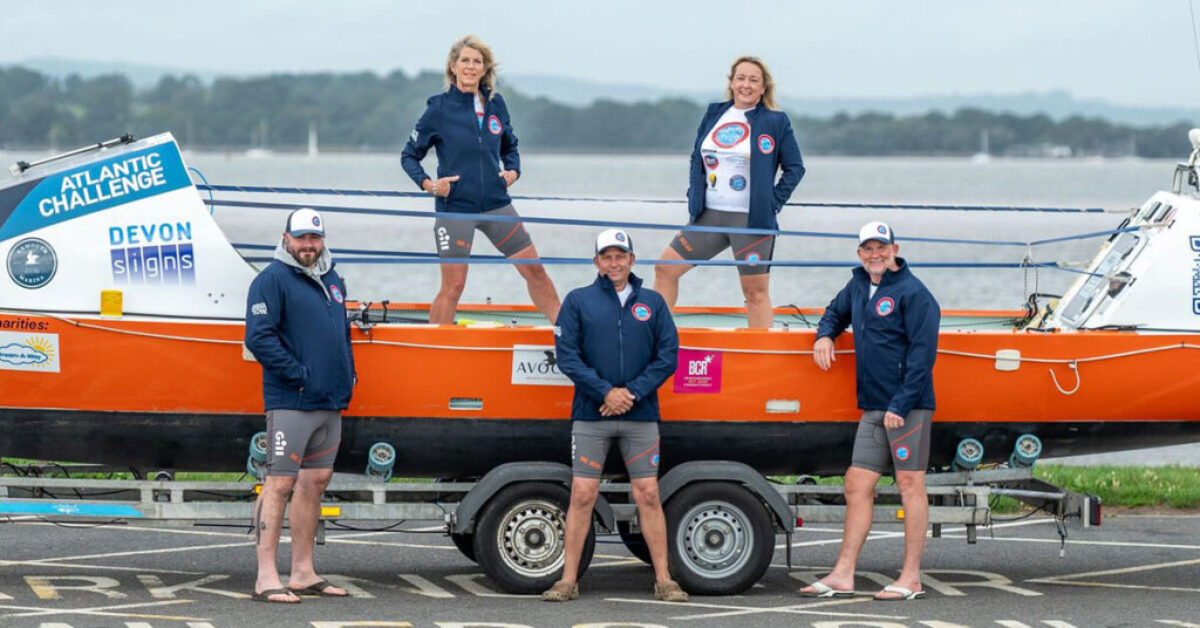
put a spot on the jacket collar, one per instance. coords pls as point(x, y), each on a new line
point(462, 96)
point(606, 284)
point(889, 276)
point(324, 265)
point(720, 108)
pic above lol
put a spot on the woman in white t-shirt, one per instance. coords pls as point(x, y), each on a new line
point(742, 144)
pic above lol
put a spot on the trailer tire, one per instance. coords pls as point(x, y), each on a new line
point(634, 542)
point(720, 538)
point(519, 538)
point(465, 544)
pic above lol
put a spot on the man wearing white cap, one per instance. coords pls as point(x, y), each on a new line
point(296, 327)
point(617, 342)
point(895, 322)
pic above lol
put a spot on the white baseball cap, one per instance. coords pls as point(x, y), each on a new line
point(304, 221)
point(876, 230)
point(613, 237)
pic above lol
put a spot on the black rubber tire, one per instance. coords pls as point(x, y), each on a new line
point(465, 544)
point(634, 542)
point(743, 541)
point(544, 506)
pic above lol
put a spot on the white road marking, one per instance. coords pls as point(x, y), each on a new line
point(731, 609)
point(104, 611)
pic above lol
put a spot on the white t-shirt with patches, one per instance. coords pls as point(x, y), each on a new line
point(726, 155)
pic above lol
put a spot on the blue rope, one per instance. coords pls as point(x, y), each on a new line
point(399, 194)
point(206, 186)
point(638, 225)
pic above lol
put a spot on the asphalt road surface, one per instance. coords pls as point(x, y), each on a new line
point(1133, 571)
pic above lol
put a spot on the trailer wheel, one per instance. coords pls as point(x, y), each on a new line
point(519, 538)
point(720, 538)
point(465, 544)
point(634, 542)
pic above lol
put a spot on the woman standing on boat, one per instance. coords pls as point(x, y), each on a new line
point(468, 126)
point(742, 143)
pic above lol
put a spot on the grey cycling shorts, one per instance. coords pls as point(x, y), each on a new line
point(454, 236)
point(879, 449)
point(302, 439)
point(638, 440)
point(706, 244)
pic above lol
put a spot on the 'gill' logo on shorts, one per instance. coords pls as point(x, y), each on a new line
point(280, 444)
point(494, 125)
point(885, 306)
point(766, 144)
point(902, 452)
point(641, 311)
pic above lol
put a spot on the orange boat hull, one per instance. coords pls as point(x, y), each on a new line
point(181, 395)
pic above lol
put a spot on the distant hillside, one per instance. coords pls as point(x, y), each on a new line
point(366, 111)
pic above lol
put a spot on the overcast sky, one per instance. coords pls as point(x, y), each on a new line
point(1128, 52)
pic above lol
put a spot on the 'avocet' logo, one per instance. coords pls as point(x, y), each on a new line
point(885, 306)
point(641, 311)
point(730, 134)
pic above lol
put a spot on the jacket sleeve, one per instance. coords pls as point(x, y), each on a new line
point(567, 340)
point(264, 312)
point(419, 142)
point(836, 318)
point(922, 317)
point(508, 140)
point(696, 165)
point(791, 162)
point(349, 339)
point(666, 354)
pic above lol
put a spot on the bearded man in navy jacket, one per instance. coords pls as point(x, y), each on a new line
point(895, 321)
point(297, 329)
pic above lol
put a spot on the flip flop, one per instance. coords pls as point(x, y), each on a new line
point(318, 588)
point(820, 589)
point(905, 595)
point(265, 596)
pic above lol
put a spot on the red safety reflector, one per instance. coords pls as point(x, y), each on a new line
point(799, 522)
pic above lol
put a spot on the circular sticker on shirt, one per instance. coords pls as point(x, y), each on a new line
point(337, 294)
point(641, 311)
point(885, 306)
point(902, 452)
point(737, 183)
point(494, 125)
point(32, 263)
point(711, 161)
point(730, 134)
point(766, 144)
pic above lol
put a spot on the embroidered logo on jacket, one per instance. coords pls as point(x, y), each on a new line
point(885, 306)
point(337, 294)
point(766, 144)
point(494, 125)
point(641, 311)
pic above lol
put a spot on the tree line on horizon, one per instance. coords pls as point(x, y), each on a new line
point(368, 112)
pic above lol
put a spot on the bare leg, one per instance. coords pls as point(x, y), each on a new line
point(454, 279)
point(756, 289)
point(860, 501)
point(579, 519)
point(541, 289)
point(653, 523)
point(916, 521)
point(306, 508)
point(666, 277)
point(268, 523)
